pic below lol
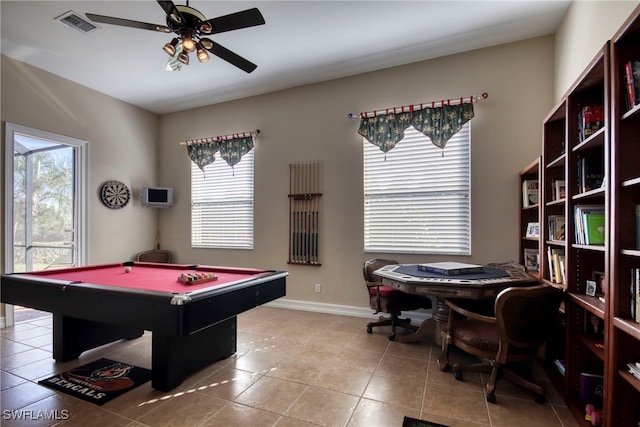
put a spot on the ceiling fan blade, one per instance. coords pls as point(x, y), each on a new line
point(127, 23)
point(171, 11)
point(233, 21)
point(231, 57)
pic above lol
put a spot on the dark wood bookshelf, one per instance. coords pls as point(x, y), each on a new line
point(622, 399)
point(617, 143)
point(565, 143)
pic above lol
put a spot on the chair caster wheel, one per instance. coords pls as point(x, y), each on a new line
point(538, 398)
point(392, 337)
point(458, 375)
point(491, 398)
point(369, 330)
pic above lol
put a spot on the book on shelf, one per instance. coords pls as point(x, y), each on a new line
point(634, 369)
point(594, 228)
point(555, 261)
point(530, 192)
point(556, 227)
point(563, 278)
point(591, 388)
point(637, 226)
point(451, 268)
point(590, 120)
point(589, 224)
point(532, 259)
point(632, 83)
point(634, 291)
point(590, 173)
point(558, 189)
point(559, 363)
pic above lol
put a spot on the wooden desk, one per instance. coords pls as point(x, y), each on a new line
point(407, 278)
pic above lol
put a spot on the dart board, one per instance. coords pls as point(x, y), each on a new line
point(115, 194)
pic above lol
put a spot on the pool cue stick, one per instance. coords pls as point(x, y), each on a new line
point(291, 201)
point(293, 213)
point(316, 206)
point(301, 213)
point(297, 203)
point(314, 255)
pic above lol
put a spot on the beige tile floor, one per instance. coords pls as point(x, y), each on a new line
point(292, 368)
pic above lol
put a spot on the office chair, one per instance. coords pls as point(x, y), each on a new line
point(523, 320)
point(385, 299)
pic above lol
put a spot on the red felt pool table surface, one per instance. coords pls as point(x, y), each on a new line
point(149, 276)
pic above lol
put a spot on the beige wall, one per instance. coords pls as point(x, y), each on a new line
point(122, 146)
point(584, 30)
point(310, 123)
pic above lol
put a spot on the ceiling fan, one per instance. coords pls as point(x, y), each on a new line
point(190, 26)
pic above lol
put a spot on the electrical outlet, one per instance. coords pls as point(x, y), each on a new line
point(318, 288)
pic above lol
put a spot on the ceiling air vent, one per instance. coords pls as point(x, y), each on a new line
point(75, 21)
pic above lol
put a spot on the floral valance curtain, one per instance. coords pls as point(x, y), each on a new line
point(202, 152)
point(438, 123)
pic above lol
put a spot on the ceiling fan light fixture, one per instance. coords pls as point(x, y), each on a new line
point(187, 43)
point(184, 57)
point(203, 56)
point(170, 48)
point(206, 43)
point(206, 28)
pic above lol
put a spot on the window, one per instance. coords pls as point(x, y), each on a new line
point(417, 196)
point(222, 204)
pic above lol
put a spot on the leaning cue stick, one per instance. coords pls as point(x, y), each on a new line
point(316, 213)
point(291, 201)
point(314, 201)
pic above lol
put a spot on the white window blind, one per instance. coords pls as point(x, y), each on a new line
point(417, 200)
point(222, 205)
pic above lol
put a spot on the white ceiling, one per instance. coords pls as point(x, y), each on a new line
point(302, 42)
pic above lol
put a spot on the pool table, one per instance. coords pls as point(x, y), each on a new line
point(192, 325)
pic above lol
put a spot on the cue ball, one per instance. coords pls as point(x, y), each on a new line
point(127, 269)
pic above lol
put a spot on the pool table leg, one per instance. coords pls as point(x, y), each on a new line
point(174, 358)
point(72, 336)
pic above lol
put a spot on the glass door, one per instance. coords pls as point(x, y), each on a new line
point(45, 203)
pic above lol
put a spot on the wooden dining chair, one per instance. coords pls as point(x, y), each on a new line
point(523, 320)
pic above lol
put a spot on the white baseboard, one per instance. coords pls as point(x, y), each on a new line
point(418, 316)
